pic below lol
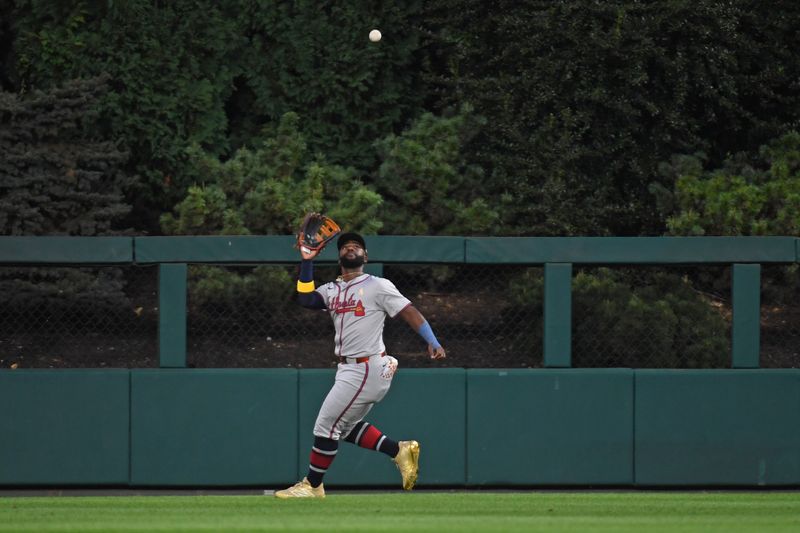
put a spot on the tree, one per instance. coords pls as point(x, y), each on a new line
point(429, 187)
point(215, 74)
point(268, 190)
point(56, 176)
point(585, 98)
point(748, 195)
point(170, 70)
point(264, 191)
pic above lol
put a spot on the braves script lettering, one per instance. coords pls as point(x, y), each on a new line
point(347, 306)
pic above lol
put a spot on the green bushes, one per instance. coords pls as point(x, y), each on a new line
point(632, 318)
point(429, 186)
point(750, 194)
point(266, 192)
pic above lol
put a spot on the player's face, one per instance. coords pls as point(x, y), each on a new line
point(352, 255)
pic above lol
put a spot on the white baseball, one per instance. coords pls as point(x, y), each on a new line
point(375, 36)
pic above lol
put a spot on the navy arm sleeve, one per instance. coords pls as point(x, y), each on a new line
point(306, 295)
point(311, 300)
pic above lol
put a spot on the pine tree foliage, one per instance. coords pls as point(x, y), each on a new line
point(56, 176)
point(171, 70)
point(268, 191)
point(429, 187)
point(749, 195)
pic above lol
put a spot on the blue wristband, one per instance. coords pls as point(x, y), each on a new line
point(426, 333)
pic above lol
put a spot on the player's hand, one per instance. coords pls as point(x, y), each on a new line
point(436, 353)
point(308, 253)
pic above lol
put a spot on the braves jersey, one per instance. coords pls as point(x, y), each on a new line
point(359, 308)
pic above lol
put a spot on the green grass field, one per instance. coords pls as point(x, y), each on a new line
point(418, 511)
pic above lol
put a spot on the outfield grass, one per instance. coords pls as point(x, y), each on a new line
point(418, 511)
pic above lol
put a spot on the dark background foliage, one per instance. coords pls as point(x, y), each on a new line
point(580, 101)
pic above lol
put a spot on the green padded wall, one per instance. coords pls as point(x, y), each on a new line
point(213, 427)
point(539, 427)
point(195, 427)
point(424, 405)
point(720, 427)
point(64, 427)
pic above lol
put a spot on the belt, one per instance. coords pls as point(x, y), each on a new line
point(356, 360)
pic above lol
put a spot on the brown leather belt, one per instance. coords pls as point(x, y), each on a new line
point(351, 360)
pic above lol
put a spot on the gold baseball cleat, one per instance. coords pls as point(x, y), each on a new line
point(407, 461)
point(301, 489)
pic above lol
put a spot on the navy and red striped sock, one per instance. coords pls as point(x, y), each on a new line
point(368, 436)
point(322, 455)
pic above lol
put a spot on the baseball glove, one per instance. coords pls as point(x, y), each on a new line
point(315, 232)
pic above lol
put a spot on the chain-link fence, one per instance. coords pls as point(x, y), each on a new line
point(780, 316)
point(78, 317)
point(471, 309)
point(652, 317)
point(484, 315)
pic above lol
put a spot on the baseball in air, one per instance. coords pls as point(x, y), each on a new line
point(375, 36)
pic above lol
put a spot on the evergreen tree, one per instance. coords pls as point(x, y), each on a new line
point(429, 187)
point(265, 191)
point(750, 194)
point(55, 178)
point(58, 178)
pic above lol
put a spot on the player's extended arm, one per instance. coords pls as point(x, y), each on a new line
point(421, 326)
point(306, 295)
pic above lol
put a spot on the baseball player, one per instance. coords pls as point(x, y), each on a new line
point(358, 304)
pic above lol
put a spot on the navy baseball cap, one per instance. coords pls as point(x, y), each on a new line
point(344, 238)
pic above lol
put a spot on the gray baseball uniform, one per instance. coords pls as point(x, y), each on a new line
point(358, 308)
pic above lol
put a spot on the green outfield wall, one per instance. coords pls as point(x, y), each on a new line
point(556, 426)
point(481, 427)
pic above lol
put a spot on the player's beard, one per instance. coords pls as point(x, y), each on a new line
point(356, 262)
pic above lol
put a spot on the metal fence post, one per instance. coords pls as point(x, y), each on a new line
point(746, 316)
point(172, 315)
point(558, 315)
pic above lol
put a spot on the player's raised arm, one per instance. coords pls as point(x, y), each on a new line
point(307, 296)
point(418, 323)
